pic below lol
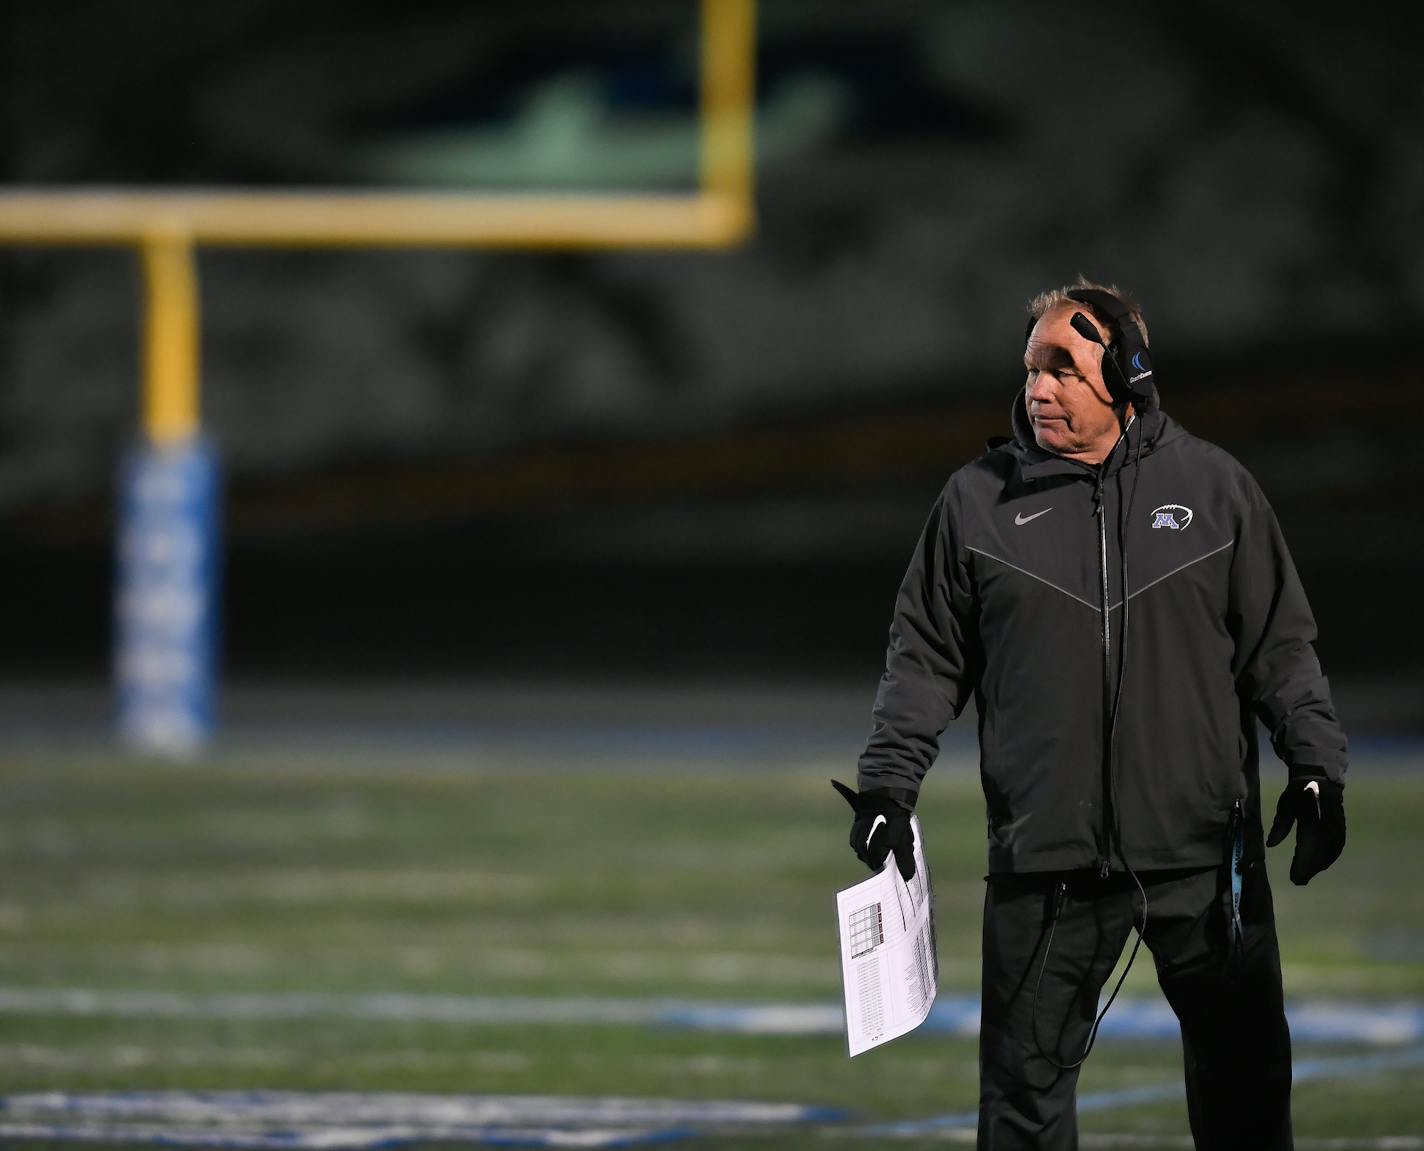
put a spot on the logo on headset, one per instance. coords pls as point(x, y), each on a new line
point(1142, 370)
point(1172, 516)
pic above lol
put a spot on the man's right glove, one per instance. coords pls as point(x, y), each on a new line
point(1317, 807)
point(882, 826)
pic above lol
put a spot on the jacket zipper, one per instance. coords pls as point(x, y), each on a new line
point(1104, 843)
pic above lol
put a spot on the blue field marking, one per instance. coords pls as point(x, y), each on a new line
point(1372, 1023)
point(290, 1119)
point(1311, 1021)
point(1304, 1070)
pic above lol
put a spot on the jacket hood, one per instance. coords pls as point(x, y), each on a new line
point(1154, 426)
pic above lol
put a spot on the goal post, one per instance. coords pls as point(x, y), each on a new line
point(166, 600)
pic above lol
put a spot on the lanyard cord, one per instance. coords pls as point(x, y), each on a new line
point(1238, 850)
point(1060, 897)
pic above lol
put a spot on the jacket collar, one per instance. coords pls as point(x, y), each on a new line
point(1154, 428)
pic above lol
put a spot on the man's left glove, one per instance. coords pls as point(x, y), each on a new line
point(882, 826)
point(1317, 806)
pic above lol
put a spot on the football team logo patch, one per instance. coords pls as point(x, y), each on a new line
point(1172, 516)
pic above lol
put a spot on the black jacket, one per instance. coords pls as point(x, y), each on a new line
point(1004, 598)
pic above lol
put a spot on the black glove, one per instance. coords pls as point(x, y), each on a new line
point(882, 826)
point(1319, 807)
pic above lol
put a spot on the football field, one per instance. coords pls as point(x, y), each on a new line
point(539, 945)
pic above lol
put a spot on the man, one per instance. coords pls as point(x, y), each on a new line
point(1117, 733)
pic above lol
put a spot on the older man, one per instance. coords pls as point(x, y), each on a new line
point(1117, 596)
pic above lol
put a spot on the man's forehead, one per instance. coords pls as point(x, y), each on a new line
point(1052, 341)
point(1046, 352)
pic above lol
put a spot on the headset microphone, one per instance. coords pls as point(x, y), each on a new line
point(1084, 327)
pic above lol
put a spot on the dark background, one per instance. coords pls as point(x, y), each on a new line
point(693, 466)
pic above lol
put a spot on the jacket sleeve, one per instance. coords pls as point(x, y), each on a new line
point(931, 664)
point(1276, 668)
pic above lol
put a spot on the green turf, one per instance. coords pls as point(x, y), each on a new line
point(508, 876)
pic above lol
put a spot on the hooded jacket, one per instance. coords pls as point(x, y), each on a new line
point(1014, 595)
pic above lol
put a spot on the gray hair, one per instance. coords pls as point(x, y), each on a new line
point(1045, 302)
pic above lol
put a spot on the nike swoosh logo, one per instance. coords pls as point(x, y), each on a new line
point(1022, 519)
point(879, 819)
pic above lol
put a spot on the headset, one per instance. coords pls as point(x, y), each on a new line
point(1127, 365)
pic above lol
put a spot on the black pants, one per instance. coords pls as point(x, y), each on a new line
point(1235, 1042)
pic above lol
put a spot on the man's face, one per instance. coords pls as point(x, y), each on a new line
point(1068, 403)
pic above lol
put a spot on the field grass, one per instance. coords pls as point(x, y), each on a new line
point(549, 876)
